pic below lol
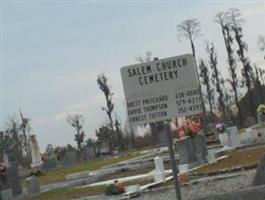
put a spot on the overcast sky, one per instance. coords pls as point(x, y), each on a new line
point(52, 52)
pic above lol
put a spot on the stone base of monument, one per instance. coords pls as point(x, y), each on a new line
point(6, 194)
point(210, 158)
point(184, 168)
point(132, 189)
point(159, 177)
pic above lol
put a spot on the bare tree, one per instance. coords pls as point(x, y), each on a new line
point(13, 129)
point(147, 58)
point(216, 79)
point(261, 42)
point(104, 87)
point(189, 29)
point(236, 21)
point(77, 122)
point(119, 134)
point(206, 81)
point(221, 19)
point(257, 83)
point(25, 127)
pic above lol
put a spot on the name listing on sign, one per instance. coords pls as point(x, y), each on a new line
point(161, 90)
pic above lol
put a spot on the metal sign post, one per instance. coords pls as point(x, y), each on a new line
point(173, 162)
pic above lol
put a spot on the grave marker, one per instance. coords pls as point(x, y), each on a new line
point(33, 185)
point(13, 178)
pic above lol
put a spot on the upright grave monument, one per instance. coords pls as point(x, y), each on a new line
point(35, 152)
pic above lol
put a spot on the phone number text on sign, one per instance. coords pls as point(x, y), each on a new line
point(161, 90)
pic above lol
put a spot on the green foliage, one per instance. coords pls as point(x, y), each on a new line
point(111, 190)
point(103, 133)
point(261, 109)
point(77, 122)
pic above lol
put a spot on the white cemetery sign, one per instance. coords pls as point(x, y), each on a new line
point(161, 90)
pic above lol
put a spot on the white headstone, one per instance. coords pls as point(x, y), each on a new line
point(6, 160)
point(223, 138)
point(159, 173)
point(6, 194)
point(35, 152)
point(233, 136)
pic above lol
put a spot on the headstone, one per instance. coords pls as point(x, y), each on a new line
point(33, 186)
point(6, 160)
point(13, 179)
point(230, 138)
point(49, 163)
point(187, 157)
point(159, 173)
point(186, 151)
point(233, 136)
point(3, 181)
point(6, 194)
point(250, 121)
point(104, 147)
point(248, 136)
point(200, 147)
point(261, 118)
point(89, 153)
point(35, 152)
point(259, 178)
point(223, 138)
point(210, 129)
point(70, 158)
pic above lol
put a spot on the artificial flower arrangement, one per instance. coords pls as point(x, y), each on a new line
point(191, 126)
point(261, 109)
point(220, 127)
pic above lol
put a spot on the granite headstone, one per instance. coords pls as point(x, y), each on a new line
point(13, 178)
point(199, 145)
point(186, 151)
point(70, 158)
point(33, 186)
point(259, 178)
point(89, 153)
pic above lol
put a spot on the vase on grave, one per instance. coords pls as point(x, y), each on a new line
point(261, 113)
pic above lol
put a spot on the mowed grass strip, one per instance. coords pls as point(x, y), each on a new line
point(244, 157)
point(72, 193)
point(59, 174)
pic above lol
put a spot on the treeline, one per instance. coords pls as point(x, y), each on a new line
point(230, 99)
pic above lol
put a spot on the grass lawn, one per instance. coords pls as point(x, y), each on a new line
point(59, 174)
point(244, 157)
point(71, 193)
